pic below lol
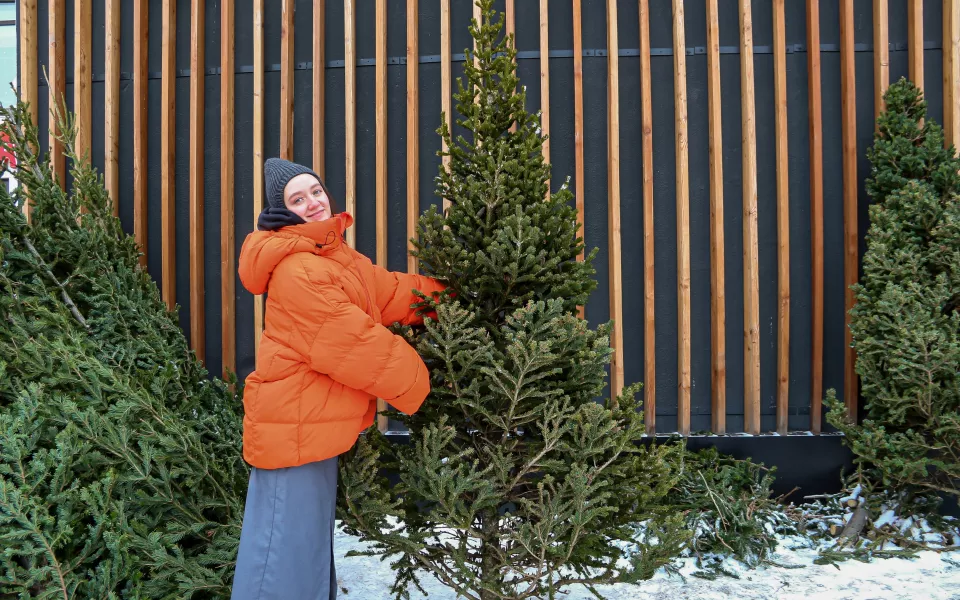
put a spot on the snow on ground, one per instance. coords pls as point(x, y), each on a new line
point(931, 576)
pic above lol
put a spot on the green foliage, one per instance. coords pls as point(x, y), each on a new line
point(516, 483)
point(120, 468)
point(906, 323)
point(728, 505)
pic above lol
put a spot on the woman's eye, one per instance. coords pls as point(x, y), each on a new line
point(316, 192)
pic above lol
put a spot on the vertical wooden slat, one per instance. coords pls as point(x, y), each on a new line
point(258, 191)
point(915, 40)
point(815, 112)
point(445, 67)
point(848, 95)
point(381, 132)
point(29, 91)
point(286, 79)
point(58, 81)
point(649, 324)
point(319, 85)
point(350, 91)
point(881, 54)
point(783, 216)
point(718, 294)
point(413, 127)
point(82, 73)
point(545, 81)
point(751, 268)
point(951, 72)
point(578, 115)
point(141, 29)
point(197, 62)
point(510, 18)
point(613, 199)
point(381, 150)
point(168, 133)
point(682, 157)
point(111, 110)
point(228, 266)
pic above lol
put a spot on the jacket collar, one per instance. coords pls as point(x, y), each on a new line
point(263, 250)
point(326, 235)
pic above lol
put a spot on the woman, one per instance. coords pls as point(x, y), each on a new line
point(325, 356)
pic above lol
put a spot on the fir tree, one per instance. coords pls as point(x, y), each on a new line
point(120, 467)
point(516, 482)
point(906, 323)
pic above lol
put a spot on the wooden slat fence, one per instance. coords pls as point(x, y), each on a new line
point(788, 335)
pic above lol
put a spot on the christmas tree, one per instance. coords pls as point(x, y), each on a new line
point(906, 323)
point(516, 482)
point(121, 474)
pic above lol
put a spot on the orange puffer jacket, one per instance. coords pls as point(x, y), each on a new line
point(325, 355)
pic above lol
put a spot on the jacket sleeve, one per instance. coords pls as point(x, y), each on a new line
point(395, 295)
point(340, 340)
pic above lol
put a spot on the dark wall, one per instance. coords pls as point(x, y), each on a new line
point(562, 149)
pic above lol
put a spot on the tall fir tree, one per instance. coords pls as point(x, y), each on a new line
point(906, 322)
point(516, 482)
point(121, 474)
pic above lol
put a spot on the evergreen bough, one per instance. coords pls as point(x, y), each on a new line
point(121, 473)
point(516, 483)
point(906, 322)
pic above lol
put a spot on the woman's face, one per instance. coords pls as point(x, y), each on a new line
point(304, 196)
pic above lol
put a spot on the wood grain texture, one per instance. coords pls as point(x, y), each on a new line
point(258, 190)
point(197, 285)
point(915, 40)
point(381, 152)
point(613, 201)
point(783, 215)
point(718, 294)
point(413, 128)
point(82, 75)
point(111, 104)
point(319, 86)
point(815, 119)
point(141, 39)
point(578, 117)
point(511, 29)
point(951, 72)
point(350, 110)
point(168, 134)
point(545, 81)
point(228, 262)
point(57, 65)
point(578, 126)
point(445, 74)
point(286, 79)
point(29, 81)
point(682, 158)
point(881, 54)
point(848, 103)
point(381, 132)
point(649, 298)
point(751, 265)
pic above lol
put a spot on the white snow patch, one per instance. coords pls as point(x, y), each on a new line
point(931, 576)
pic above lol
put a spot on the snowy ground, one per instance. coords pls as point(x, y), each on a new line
point(931, 576)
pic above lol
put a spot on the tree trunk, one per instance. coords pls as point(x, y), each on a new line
point(490, 574)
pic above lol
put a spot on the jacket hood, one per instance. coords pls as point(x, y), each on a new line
point(263, 250)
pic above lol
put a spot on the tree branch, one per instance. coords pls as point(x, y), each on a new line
point(63, 291)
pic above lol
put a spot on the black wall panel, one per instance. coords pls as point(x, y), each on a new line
point(562, 155)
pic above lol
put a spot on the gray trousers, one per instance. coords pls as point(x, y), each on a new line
point(286, 544)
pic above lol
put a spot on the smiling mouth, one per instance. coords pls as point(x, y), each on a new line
point(316, 213)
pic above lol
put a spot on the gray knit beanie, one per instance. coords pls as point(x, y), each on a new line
point(277, 173)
